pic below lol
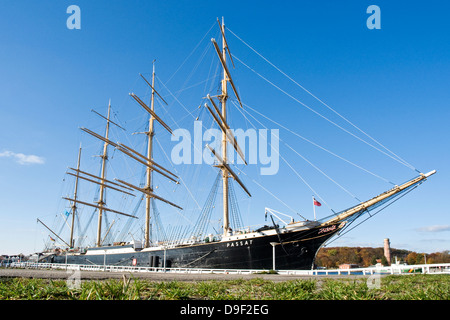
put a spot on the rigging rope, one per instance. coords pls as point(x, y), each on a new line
point(181, 179)
point(236, 220)
point(397, 158)
point(285, 161)
point(204, 218)
point(193, 50)
point(318, 169)
point(158, 227)
point(322, 116)
point(392, 200)
point(315, 144)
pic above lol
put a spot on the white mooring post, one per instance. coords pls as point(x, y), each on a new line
point(273, 254)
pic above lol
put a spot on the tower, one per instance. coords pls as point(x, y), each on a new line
point(387, 250)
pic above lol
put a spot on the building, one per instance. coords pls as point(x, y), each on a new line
point(348, 266)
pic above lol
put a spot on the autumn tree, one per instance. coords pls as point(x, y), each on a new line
point(333, 257)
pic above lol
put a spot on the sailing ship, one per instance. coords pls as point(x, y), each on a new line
point(291, 245)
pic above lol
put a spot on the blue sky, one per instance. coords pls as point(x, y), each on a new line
point(391, 82)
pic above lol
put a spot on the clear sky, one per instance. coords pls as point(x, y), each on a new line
point(391, 82)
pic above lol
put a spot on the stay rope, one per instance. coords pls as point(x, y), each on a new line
point(391, 155)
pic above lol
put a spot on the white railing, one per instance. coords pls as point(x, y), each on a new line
point(394, 269)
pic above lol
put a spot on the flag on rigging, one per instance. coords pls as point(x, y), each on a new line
point(316, 203)
point(51, 239)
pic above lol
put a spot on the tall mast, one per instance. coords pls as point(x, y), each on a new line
point(101, 202)
point(100, 180)
point(147, 160)
point(223, 100)
point(221, 119)
point(148, 186)
point(74, 204)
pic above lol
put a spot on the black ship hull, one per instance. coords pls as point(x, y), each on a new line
point(289, 250)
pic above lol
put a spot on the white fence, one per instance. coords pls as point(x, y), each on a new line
point(394, 269)
point(440, 268)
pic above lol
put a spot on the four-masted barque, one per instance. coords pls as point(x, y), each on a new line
point(290, 246)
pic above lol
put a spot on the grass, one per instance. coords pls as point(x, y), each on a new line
point(395, 287)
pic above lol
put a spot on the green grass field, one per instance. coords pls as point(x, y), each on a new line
point(395, 287)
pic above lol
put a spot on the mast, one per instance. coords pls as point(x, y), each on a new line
point(148, 160)
point(223, 100)
point(101, 202)
point(74, 204)
point(221, 119)
point(148, 186)
point(100, 180)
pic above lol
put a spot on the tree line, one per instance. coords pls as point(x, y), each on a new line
point(367, 256)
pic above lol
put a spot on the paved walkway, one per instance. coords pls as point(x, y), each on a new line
point(153, 276)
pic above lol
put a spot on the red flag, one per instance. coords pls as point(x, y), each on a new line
point(317, 203)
